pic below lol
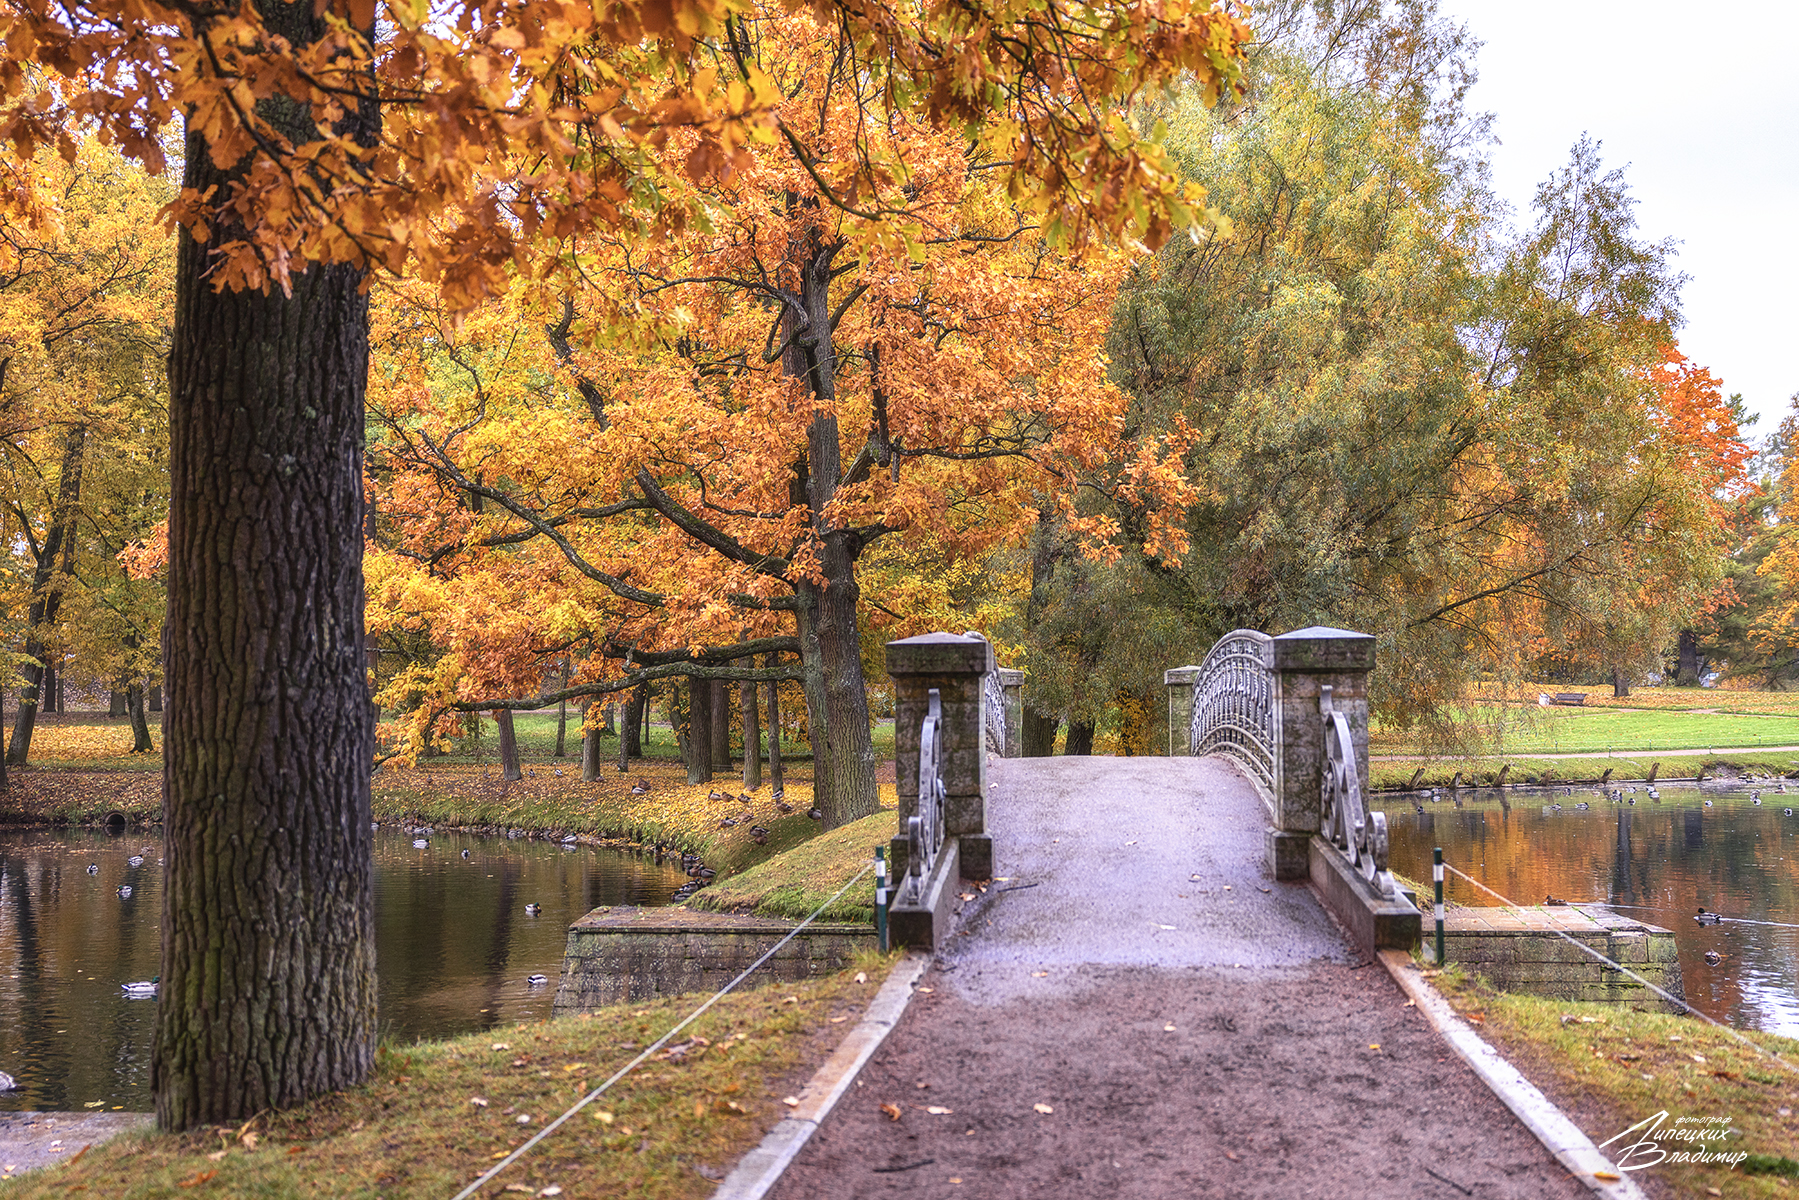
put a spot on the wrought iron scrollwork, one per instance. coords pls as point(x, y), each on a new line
point(924, 830)
point(1359, 833)
point(1233, 705)
point(993, 711)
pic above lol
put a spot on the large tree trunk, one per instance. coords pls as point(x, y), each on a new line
point(1620, 684)
point(752, 737)
point(696, 744)
point(1691, 665)
point(1080, 738)
point(1039, 732)
point(268, 963)
point(46, 595)
point(140, 724)
point(156, 698)
point(508, 745)
point(720, 695)
point(115, 701)
point(52, 690)
point(843, 760)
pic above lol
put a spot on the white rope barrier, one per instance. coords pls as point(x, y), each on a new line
point(1679, 1001)
point(494, 1171)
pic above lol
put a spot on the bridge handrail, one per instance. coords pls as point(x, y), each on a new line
point(924, 830)
point(1233, 705)
point(1348, 822)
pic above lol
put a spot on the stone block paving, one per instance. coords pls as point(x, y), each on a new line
point(1191, 1037)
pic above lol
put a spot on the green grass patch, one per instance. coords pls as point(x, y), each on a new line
point(1532, 730)
point(795, 882)
point(436, 1115)
point(1610, 1067)
point(1547, 772)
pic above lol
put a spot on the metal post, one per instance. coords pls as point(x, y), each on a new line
point(881, 897)
point(1436, 872)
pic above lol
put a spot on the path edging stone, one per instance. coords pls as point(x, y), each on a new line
point(762, 1167)
point(1551, 1126)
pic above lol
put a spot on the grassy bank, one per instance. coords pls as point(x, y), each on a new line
point(1520, 730)
point(1438, 772)
point(435, 1115)
point(798, 881)
point(1609, 1068)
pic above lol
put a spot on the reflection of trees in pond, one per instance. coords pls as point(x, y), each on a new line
point(1664, 859)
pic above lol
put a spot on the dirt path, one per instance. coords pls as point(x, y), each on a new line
point(1290, 1070)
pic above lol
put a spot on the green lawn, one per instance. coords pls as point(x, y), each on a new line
point(1533, 730)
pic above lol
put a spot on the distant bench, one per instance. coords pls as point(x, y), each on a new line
point(1568, 698)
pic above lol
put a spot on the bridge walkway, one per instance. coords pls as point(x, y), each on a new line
point(1191, 1027)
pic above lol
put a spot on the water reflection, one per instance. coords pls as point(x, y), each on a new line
point(1658, 859)
point(454, 946)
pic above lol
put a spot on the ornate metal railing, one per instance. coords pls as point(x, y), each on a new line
point(924, 831)
point(1233, 705)
point(1358, 832)
point(993, 711)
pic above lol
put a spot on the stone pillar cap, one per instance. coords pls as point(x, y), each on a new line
point(1174, 676)
point(1320, 648)
point(940, 654)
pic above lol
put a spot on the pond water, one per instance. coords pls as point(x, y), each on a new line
point(1659, 861)
point(454, 946)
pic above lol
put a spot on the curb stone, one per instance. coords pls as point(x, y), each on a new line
point(761, 1168)
point(1559, 1135)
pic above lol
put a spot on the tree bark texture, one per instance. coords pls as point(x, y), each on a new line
point(1080, 738)
point(843, 759)
point(1039, 733)
point(1620, 684)
point(115, 700)
point(752, 738)
point(509, 769)
point(562, 716)
point(46, 594)
point(268, 964)
point(721, 725)
point(155, 701)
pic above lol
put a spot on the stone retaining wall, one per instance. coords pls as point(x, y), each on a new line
point(624, 953)
point(1520, 951)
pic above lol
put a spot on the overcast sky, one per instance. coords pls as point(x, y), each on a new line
point(1700, 104)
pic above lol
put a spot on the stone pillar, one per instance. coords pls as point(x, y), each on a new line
point(1012, 682)
point(1180, 709)
point(957, 667)
point(1304, 662)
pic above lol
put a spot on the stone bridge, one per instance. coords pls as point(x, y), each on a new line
point(1268, 748)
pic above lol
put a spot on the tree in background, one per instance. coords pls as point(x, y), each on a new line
point(864, 336)
point(1400, 417)
point(84, 302)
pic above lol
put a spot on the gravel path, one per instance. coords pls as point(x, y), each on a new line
point(1192, 1028)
